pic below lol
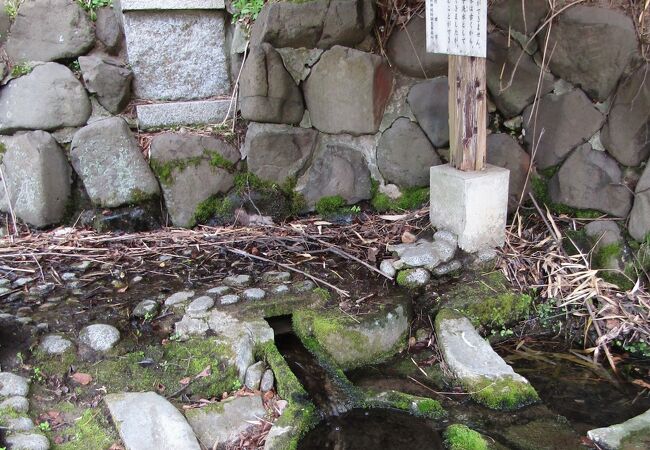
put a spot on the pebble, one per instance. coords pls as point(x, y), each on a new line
point(4, 281)
point(24, 320)
point(20, 282)
point(23, 311)
point(268, 380)
point(43, 327)
point(100, 337)
point(254, 375)
point(27, 441)
point(450, 267)
point(41, 289)
point(276, 277)
point(68, 276)
point(13, 385)
point(179, 297)
point(304, 286)
point(200, 305)
point(53, 344)
point(16, 403)
point(416, 278)
point(145, 308)
point(229, 299)
point(280, 289)
point(81, 266)
point(486, 255)
point(219, 290)
point(387, 267)
point(254, 294)
point(19, 424)
point(238, 280)
point(4, 290)
point(136, 279)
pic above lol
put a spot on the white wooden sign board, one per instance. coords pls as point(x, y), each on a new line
point(457, 27)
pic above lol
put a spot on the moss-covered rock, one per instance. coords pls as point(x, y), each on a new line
point(543, 434)
point(353, 342)
point(87, 429)
point(461, 437)
point(417, 406)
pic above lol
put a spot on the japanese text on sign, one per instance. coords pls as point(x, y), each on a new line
point(456, 27)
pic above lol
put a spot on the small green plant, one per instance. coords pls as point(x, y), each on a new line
point(236, 385)
point(174, 337)
point(74, 66)
point(356, 209)
point(93, 5)
point(246, 11)
point(37, 375)
point(322, 293)
point(148, 316)
point(20, 69)
point(11, 8)
point(44, 426)
point(328, 206)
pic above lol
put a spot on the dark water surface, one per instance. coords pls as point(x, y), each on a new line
point(362, 429)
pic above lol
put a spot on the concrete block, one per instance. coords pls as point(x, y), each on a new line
point(472, 205)
point(141, 5)
point(177, 54)
point(157, 115)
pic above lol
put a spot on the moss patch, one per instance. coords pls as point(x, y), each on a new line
point(53, 364)
point(411, 198)
point(214, 206)
point(277, 200)
point(328, 206)
point(461, 437)
point(417, 406)
point(637, 440)
point(91, 430)
point(501, 394)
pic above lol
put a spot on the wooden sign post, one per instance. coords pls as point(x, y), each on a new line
point(468, 196)
point(458, 28)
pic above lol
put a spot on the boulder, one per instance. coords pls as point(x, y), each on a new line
point(5, 22)
point(191, 168)
point(512, 76)
point(522, 16)
point(99, 337)
point(108, 80)
point(625, 134)
point(404, 155)
point(631, 434)
point(108, 160)
point(639, 225)
point(37, 177)
point(477, 367)
point(224, 423)
point(406, 49)
point(17, 404)
point(319, 23)
point(109, 30)
point(267, 92)
point(47, 98)
point(146, 421)
point(592, 47)
point(561, 123)
point(355, 106)
point(338, 168)
point(590, 179)
point(299, 61)
point(429, 102)
point(504, 151)
point(50, 30)
point(254, 375)
point(397, 105)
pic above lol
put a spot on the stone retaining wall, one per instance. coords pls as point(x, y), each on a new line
point(329, 111)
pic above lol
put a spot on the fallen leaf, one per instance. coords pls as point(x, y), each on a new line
point(205, 373)
point(641, 383)
point(268, 395)
point(83, 379)
point(394, 217)
point(185, 381)
point(280, 405)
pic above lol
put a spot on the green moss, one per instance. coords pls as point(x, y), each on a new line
point(501, 394)
point(636, 440)
point(20, 69)
point(217, 160)
point(460, 437)
point(54, 364)
point(328, 206)
point(91, 430)
point(324, 294)
point(539, 187)
point(174, 362)
point(279, 200)
point(8, 413)
point(138, 196)
point(402, 279)
point(163, 171)
point(411, 198)
point(214, 206)
point(417, 406)
point(3, 149)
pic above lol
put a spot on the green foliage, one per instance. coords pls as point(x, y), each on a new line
point(217, 160)
point(20, 69)
point(246, 10)
point(74, 66)
point(246, 182)
point(639, 348)
point(91, 430)
point(324, 294)
point(211, 207)
point(91, 6)
point(328, 206)
point(411, 198)
point(460, 437)
point(163, 171)
point(11, 8)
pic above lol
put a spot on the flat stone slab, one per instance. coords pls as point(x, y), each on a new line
point(146, 421)
point(140, 5)
point(224, 422)
point(610, 438)
point(477, 367)
point(158, 115)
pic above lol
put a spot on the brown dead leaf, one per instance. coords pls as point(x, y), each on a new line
point(205, 373)
point(641, 383)
point(372, 254)
point(83, 379)
point(184, 381)
point(116, 447)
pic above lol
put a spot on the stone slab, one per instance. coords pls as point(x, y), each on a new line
point(611, 437)
point(177, 55)
point(157, 115)
point(146, 421)
point(141, 5)
point(472, 205)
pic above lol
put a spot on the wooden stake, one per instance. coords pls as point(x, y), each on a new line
point(467, 112)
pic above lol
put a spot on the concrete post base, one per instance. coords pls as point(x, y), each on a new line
point(473, 205)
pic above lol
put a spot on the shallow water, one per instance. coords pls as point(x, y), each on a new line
point(373, 429)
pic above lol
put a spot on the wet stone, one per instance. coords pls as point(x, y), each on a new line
point(268, 380)
point(53, 344)
point(280, 289)
point(179, 297)
point(13, 385)
point(24, 320)
point(303, 286)
point(254, 294)
point(23, 311)
point(81, 266)
point(238, 280)
point(41, 289)
point(448, 268)
point(387, 267)
point(229, 299)
point(254, 375)
point(99, 337)
point(413, 278)
point(145, 308)
point(27, 441)
point(68, 276)
point(613, 436)
point(200, 305)
point(276, 277)
point(16, 403)
point(219, 290)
